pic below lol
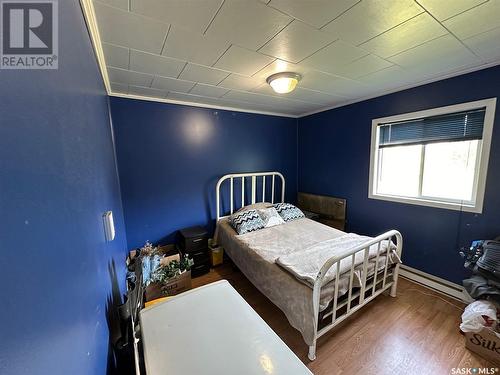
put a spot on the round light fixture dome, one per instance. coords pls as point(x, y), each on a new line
point(284, 82)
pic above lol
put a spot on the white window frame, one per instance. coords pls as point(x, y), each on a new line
point(482, 162)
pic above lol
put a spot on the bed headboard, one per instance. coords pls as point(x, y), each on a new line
point(256, 196)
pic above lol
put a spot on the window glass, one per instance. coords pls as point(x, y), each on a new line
point(449, 170)
point(399, 170)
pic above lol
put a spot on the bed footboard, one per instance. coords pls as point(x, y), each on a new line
point(384, 278)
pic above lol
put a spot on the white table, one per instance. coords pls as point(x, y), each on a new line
point(212, 330)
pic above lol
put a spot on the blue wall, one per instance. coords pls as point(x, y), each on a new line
point(334, 155)
point(57, 177)
point(171, 156)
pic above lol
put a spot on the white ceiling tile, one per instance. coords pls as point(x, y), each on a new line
point(278, 66)
point(315, 96)
point(193, 47)
point(239, 82)
point(390, 78)
point(302, 94)
point(262, 99)
point(116, 56)
point(128, 77)
point(296, 42)
point(155, 64)
point(413, 32)
point(147, 91)
point(171, 84)
point(130, 30)
point(203, 74)
point(337, 54)
point(190, 14)
point(208, 90)
point(122, 4)
point(192, 98)
point(443, 9)
point(486, 44)
point(480, 19)
point(119, 87)
point(242, 61)
point(316, 12)
point(441, 54)
point(370, 18)
point(247, 23)
point(363, 66)
point(332, 84)
point(144, 54)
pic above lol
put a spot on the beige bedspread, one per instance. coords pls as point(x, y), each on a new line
point(255, 254)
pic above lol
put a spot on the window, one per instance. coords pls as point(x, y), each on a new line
point(435, 158)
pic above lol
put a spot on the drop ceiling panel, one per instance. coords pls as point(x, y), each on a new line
point(247, 23)
point(194, 47)
point(407, 35)
point(390, 78)
point(362, 66)
point(242, 61)
point(171, 84)
point(129, 77)
point(146, 91)
point(119, 87)
point(486, 44)
point(122, 4)
point(436, 55)
point(332, 84)
point(208, 90)
point(280, 66)
point(337, 54)
point(296, 42)
point(310, 96)
point(444, 9)
point(191, 14)
point(221, 52)
point(370, 18)
point(477, 20)
point(203, 74)
point(239, 82)
point(262, 99)
point(155, 64)
point(316, 13)
point(116, 56)
point(129, 29)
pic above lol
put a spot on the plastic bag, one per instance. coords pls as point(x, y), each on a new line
point(477, 315)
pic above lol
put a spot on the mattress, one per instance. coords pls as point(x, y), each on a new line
point(255, 254)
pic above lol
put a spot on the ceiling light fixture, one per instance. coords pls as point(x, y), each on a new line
point(284, 82)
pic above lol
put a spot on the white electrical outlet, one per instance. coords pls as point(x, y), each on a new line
point(109, 225)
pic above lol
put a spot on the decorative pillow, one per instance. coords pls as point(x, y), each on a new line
point(270, 217)
point(246, 221)
point(255, 206)
point(288, 211)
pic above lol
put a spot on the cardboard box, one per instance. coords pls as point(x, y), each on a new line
point(172, 287)
point(485, 343)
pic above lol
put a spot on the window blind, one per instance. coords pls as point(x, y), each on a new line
point(458, 126)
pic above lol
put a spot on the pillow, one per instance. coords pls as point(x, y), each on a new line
point(255, 206)
point(270, 217)
point(288, 211)
point(246, 221)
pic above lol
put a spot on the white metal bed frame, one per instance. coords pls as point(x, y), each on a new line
point(369, 287)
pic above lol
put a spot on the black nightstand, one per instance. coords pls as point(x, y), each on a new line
point(194, 243)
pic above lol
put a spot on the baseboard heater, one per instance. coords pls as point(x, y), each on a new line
point(435, 283)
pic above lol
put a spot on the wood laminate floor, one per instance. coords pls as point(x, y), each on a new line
point(415, 333)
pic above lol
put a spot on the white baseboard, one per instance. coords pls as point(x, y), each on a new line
point(435, 283)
